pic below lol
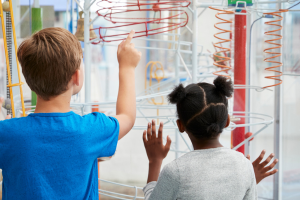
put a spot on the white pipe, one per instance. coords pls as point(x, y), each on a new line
point(87, 52)
point(195, 43)
point(177, 81)
point(36, 4)
point(91, 4)
point(249, 138)
point(22, 19)
point(206, 5)
point(278, 104)
point(248, 79)
point(186, 68)
point(78, 4)
point(269, 2)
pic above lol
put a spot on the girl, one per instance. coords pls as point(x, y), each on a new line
point(211, 171)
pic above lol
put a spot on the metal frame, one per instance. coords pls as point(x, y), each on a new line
point(278, 97)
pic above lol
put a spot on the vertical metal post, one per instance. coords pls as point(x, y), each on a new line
point(248, 80)
point(87, 53)
point(195, 43)
point(177, 62)
point(177, 81)
point(17, 8)
point(15, 79)
point(277, 187)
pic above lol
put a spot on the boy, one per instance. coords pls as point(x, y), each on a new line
point(52, 153)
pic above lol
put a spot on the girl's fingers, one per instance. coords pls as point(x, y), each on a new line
point(153, 129)
point(268, 168)
point(8, 117)
point(149, 131)
point(248, 157)
point(168, 144)
point(271, 173)
point(267, 160)
point(259, 159)
point(160, 130)
point(144, 137)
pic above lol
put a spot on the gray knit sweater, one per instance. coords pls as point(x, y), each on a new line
point(210, 174)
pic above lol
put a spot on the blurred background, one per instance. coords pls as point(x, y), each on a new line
point(129, 166)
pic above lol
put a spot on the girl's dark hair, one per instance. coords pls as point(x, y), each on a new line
point(202, 107)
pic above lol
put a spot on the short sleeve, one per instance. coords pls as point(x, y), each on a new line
point(167, 185)
point(103, 134)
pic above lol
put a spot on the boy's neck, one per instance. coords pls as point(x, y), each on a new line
point(60, 104)
point(205, 143)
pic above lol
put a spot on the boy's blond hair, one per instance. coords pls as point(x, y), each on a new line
point(49, 58)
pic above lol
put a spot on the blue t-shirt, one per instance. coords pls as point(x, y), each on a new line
point(54, 155)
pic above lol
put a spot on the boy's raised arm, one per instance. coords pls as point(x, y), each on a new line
point(128, 58)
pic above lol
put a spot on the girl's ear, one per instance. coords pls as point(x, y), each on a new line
point(180, 126)
point(228, 121)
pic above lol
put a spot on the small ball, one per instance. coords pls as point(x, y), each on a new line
point(5, 6)
point(156, 7)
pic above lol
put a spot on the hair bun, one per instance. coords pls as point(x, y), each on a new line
point(224, 85)
point(213, 129)
point(177, 94)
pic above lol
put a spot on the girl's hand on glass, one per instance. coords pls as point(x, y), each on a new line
point(156, 150)
point(261, 169)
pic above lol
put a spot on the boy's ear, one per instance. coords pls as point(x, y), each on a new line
point(228, 121)
point(180, 126)
point(76, 78)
